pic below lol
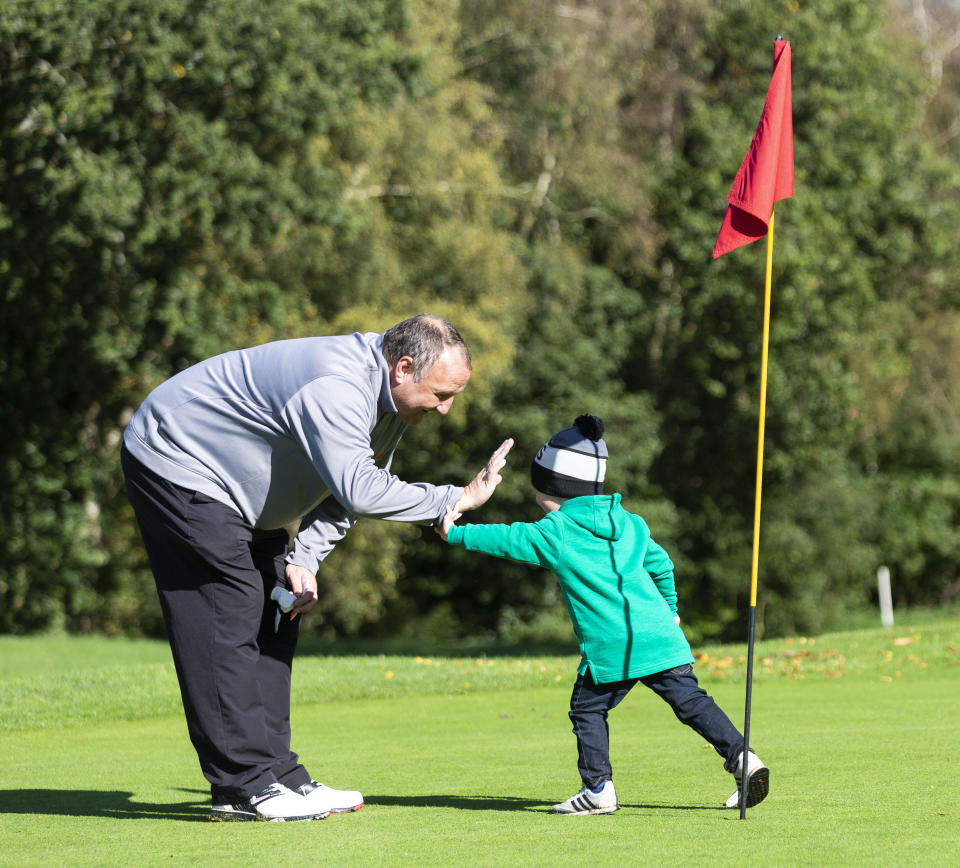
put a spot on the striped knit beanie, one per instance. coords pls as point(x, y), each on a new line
point(573, 462)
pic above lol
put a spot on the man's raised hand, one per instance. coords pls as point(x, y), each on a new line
point(479, 490)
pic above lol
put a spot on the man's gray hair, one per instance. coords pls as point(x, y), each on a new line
point(422, 337)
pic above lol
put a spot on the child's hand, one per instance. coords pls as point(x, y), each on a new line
point(450, 517)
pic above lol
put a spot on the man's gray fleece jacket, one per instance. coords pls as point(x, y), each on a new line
point(287, 430)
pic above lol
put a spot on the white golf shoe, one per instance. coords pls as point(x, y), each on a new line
point(758, 781)
point(331, 801)
point(589, 802)
point(275, 804)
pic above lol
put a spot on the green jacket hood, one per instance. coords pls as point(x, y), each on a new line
point(601, 514)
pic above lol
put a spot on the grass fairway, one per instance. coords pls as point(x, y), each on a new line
point(461, 758)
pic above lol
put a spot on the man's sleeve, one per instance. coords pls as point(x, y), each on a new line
point(331, 417)
point(319, 532)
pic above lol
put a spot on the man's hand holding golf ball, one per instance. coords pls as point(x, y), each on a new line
point(303, 584)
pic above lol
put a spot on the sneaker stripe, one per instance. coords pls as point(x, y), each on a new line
point(268, 793)
point(582, 803)
point(589, 802)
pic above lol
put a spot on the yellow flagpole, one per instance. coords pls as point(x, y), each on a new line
point(751, 628)
point(763, 414)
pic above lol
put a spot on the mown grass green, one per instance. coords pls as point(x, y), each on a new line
point(461, 757)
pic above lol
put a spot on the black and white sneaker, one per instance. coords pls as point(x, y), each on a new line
point(758, 781)
point(275, 804)
point(331, 801)
point(589, 802)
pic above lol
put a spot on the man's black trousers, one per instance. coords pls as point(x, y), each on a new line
point(214, 575)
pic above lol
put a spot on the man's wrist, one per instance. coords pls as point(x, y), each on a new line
point(457, 503)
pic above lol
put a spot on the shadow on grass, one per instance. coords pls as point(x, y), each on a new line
point(504, 803)
point(679, 808)
point(119, 805)
point(115, 804)
point(463, 803)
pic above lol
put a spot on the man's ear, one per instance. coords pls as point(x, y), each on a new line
point(402, 370)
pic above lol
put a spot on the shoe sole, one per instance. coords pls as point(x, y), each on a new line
point(347, 810)
point(758, 786)
point(585, 813)
point(293, 819)
point(244, 817)
point(232, 816)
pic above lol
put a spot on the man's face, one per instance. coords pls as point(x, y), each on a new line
point(436, 391)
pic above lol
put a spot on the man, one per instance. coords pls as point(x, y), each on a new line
point(218, 461)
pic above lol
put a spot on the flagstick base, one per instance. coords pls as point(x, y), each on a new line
point(751, 636)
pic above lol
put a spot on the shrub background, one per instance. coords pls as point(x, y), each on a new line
point(177, 182)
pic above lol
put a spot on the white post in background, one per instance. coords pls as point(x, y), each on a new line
point(886, 597)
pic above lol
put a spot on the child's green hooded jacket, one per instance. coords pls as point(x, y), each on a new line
point(616, 581)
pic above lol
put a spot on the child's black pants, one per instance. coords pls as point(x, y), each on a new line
point(590, 703)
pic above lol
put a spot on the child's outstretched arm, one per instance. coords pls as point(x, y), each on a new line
point(538, 543)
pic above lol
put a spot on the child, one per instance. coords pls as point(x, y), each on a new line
point(618, 587)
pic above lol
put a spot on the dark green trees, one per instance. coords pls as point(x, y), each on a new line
point(180, 179)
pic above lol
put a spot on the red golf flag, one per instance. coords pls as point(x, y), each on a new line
point(766, 173)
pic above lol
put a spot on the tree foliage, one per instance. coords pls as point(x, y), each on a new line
point(181, 179)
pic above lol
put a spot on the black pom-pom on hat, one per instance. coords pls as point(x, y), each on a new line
point(573, 462)
point(590, 426)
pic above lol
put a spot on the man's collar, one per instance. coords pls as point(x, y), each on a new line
point(385, 402)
